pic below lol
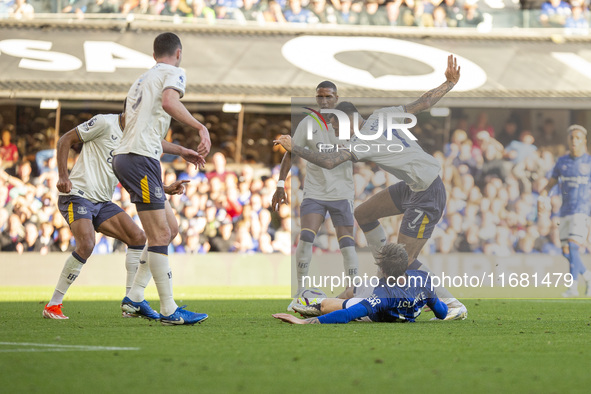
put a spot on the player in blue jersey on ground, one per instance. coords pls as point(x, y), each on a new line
point(572, 173)
point(399, 296)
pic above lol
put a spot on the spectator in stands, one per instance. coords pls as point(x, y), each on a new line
point(325, 13)
point(171, 8)
point(519, 150)
point(21, 10)
point(274, 13)
point(8, 150)
point(393, 11)
point(252, 11)
point(296, 14)
point(77, 7)
point(472, 15)
point(12, 235)
point(103, 7)
point(373, 14)
point(440, 18)
point(480, 125)
point(453, 13)
point(62, 242)
point(509, 132)
point(200, 10)
point(31, 242)
point(554, 13)
point(219, 163)
point(548, 135)
point(577, 23)
point(224, 238)
point(229, 9)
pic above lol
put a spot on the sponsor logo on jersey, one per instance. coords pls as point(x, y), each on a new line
point(113, 138)
point(82, 210)
point(80, 192)
point(373, 300)
point(158, 192)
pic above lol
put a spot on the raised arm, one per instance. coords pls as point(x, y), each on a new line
point(63, 148)
point(430, 98)
point(324, 160)
point(171, 103)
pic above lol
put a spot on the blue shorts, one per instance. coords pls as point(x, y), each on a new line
point(73, 208)
point(341, 211)
point(422, 210)
point(142, 178)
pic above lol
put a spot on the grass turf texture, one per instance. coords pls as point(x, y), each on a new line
point(504, 346)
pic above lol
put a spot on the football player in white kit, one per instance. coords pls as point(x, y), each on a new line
point(85, 202)
point(151, 102)
point(420, 196)
point(325, 191)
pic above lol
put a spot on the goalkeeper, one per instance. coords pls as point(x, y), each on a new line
point(399, 296)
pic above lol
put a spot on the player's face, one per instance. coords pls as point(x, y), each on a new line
point(326, 98)
point(577, 142)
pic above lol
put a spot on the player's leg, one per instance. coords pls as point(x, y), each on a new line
point(78, 214)
point(115, 223)
point(573, 232)
point(312, 216)
point(341, 214)
point(141, 178)
point(376, 207)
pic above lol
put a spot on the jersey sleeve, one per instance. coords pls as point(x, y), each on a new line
point(92, 129)
point(175, 80)
point(438, 307)
point(344, 315)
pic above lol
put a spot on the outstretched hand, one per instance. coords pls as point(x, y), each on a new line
point(285, 141)
point(190, 156)
point(176, 187)
point(291, 319)
point(452, 73)
point(280, 197)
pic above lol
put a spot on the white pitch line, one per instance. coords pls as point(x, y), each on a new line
point(46, 347)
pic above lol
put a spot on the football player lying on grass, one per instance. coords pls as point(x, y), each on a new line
point(399, 296)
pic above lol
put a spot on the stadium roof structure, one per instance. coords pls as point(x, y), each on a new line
point(98, 60)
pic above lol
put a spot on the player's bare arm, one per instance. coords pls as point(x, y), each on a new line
point(171, 103)
point(280, 197)
point(430, 98)
point(544, 200)
point(63, 148)
point(291, 319)
point(324, 160)
point(189, 155)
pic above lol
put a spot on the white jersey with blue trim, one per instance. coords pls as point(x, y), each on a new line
point(92, 176)
point(146, 122)
point(321, 183)
point(400, 156)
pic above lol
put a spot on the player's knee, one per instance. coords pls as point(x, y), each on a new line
point(84, 247)
point(307, 235)
point(138, 237)
point(358, 213)
point(160, 237)
point(346, 241)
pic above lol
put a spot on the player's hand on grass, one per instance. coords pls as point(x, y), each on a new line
point(64, 185)
point(285, 141)
point(291, 319)
point(279, 198)
point(205, 144)
point(190, 156)
point(453, 70)
point(177, 187)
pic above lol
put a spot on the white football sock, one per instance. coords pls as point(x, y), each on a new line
point(163, 279)
point(351, 262)
point(303, 258)
point(142, 278)
point(69, 274)
point(132, 262)
point(376, 238)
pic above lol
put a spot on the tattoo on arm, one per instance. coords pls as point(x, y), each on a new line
point(429, 99)
point(313, 320)
point(324, 160)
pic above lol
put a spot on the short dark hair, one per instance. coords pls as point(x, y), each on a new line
point(166, 44)
point(392, 260)
point(347, 107)
point(327, 85)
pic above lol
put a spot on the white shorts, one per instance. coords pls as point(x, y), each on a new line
point(361, 293)
point(574, 227)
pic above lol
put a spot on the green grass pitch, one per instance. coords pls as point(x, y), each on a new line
point(516, 346)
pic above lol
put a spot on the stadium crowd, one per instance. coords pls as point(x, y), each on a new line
point(492, 178)
point(443, 14)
